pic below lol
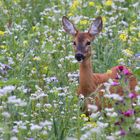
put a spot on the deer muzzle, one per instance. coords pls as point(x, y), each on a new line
point(79, 57)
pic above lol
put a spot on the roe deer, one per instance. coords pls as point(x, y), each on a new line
point(88, 80)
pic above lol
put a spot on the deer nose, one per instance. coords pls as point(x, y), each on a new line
point(79, 56)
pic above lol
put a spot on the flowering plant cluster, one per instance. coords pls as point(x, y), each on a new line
point(39, 74)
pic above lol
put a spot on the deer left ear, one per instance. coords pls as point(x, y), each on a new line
point(96, 27)
point(68, 26)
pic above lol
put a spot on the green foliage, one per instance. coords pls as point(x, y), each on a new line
point(39, 74)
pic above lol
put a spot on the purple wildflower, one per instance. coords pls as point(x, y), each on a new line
point(122, 132)
point(126, 72)
point(121, 68)
point(114, 83)
point(132, 95)
point(128, 113)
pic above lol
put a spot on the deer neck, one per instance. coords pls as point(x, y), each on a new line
point(87, 83)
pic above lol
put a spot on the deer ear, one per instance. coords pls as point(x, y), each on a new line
point(68, 26)
point(96, 26)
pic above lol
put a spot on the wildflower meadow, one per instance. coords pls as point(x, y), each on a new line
point(39, 74)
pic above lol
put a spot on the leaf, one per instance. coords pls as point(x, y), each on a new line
point(137, 72)
point(9, 82)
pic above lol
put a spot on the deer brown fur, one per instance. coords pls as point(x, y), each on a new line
point(90, 81)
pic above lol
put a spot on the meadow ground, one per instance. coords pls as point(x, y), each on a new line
point(39, 74)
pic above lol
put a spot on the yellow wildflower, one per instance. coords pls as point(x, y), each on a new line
point(94, 124)
point(75, 4)
point(34, 69)
point(99, 7)
point(25, 42)
point(84, 22)
point(123, 36)
point(104, 19)
point(0, 3)
point(2, 33)
point(91, 3)
point(45, 68)
point(131, 28)
point(109, 71)
point(16, 1)
point(34, 28)
point(83, 115)
point(128, 52)
point(139, 34)
point(3, 47)
point(36, 58)
point(70, 14)
point(121, 60)
point(134, 39)
point(108, 2)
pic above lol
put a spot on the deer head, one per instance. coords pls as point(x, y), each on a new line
point(82, 40)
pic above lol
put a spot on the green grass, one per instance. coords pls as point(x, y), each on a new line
point(37, 97)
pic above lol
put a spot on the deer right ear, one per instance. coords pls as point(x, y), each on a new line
point(68, 26)
point(96, 26)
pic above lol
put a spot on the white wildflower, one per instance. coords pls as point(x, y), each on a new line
point(24, 127)
point(112, 114)
point(6, 114)
point(44, 132)
point(95, 115)
point(102, 125)
point(35, 127)
point(92, 108)
point(71, 138)
point(61, 103)
point(110, 138)
point(137, 88)
point(1, 129)
point(138, 100)
point(45, 123)
point(138, 120)
point(14, 138)
point(38, 105)
point(16, 101)
point(47, 105)
point(114, 96)
point(15, 129)
point(7, 89)
point(137, 126)
point(109, 109)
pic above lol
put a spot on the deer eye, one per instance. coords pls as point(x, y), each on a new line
point(74, 43)
point(88, 43)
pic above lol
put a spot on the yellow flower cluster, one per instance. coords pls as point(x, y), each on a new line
point(104, 19)
point(84, 117)
point(108, 2)
point(128, 52)
point(109, 71)
point(123, 36)
point(91, 3)
point(3, 47)
point(16, 1)
point(36, 58)
point(0, 3)
point(34, 28)
point(2, 33)
point(139, 34)
point(84, 22)
point(75, 4)
point(134, 39)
